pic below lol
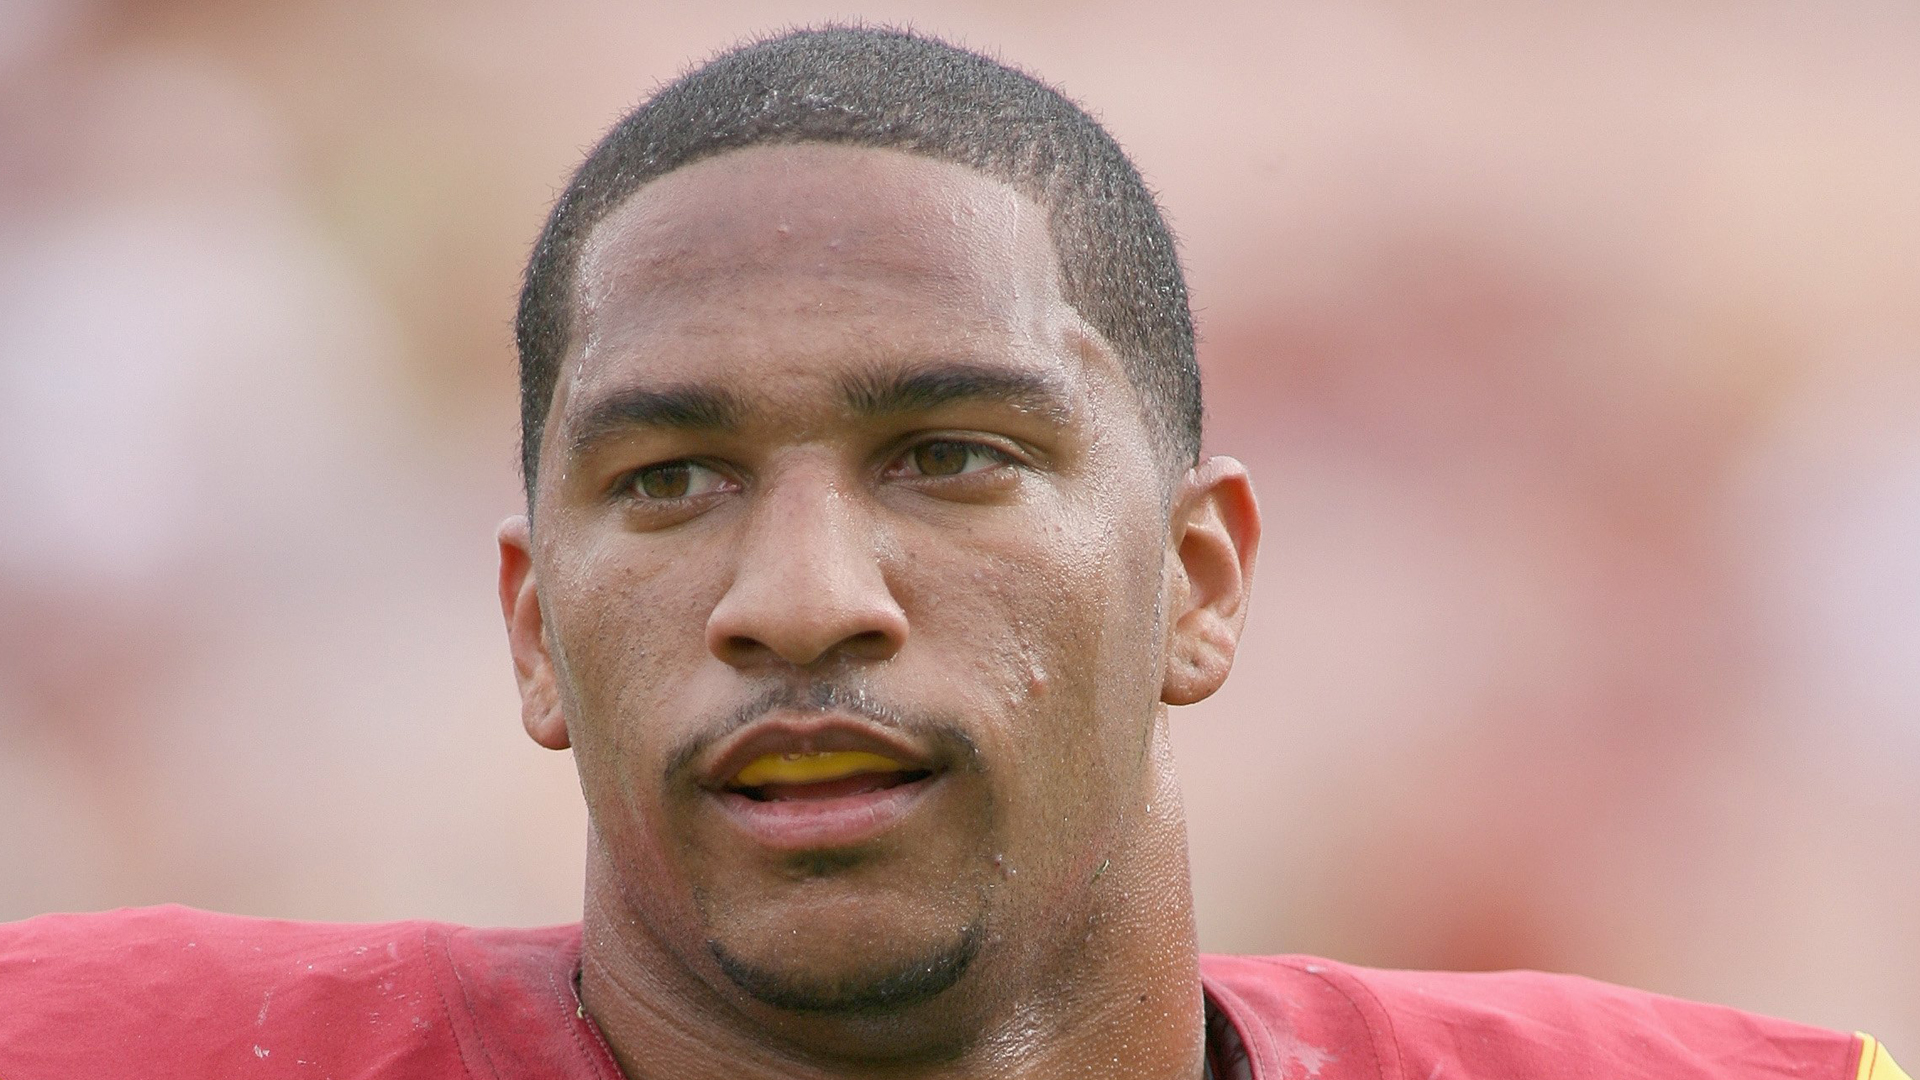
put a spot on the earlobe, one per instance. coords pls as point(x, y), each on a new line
point(533, 669)
point(1216, 534)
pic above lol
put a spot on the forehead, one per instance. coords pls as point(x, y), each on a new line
point(780, 262)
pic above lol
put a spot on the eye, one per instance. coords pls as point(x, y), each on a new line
point(949, 457)
point(677, 480)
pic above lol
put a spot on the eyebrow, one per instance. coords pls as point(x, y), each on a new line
point(688, 407)
point(696, 406)
point(929, 386)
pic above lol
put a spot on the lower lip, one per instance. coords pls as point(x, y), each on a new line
point(816, 824)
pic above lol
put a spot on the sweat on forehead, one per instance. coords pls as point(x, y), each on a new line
point(861, 282)
point(811, 211)
point(883, 89)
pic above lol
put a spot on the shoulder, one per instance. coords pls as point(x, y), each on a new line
point(1505, 1024)
point(170, 991)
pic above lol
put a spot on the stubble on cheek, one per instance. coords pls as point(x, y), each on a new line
point(1025, 635)
point(611, 626)
point(1091, 628)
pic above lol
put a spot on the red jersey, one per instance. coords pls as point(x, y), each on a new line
point(1301, 1017)
point(170, 992)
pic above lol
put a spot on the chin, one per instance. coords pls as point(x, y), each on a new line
point(845, 983)
point(844, 933)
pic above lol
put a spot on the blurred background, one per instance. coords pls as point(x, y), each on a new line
point(1575, 350)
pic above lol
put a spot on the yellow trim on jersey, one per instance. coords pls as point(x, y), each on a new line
point(1875, 1062)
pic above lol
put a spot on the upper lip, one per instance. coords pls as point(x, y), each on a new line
point(804, 733)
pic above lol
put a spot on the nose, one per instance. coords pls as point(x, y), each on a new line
point(808, 583)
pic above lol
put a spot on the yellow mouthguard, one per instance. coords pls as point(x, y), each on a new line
point(812, 768)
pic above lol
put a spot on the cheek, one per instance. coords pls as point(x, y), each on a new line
point(625, 618)
point(1054, 628)
point(1094, 610)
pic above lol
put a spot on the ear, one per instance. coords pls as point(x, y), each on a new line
point(1215, 533)
point(527, 639)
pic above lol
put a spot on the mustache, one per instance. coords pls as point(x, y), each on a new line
point(828, 696)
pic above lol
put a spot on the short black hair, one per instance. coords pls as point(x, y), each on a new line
point(890, 89)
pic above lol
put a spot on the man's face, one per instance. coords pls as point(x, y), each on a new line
point(851, 555)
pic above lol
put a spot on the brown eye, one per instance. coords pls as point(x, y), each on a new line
point(672, 479)
point(669, 481)
point(666, 483)
point(941, 458)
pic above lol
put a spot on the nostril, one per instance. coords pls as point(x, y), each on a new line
point(741, 645)
point(751, 650)
point(871, 643)
point(798, 619)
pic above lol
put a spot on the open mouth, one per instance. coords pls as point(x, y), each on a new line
point(820, 782)
point(821, 775)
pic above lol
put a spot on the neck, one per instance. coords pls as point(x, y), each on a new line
point(1115, 995)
